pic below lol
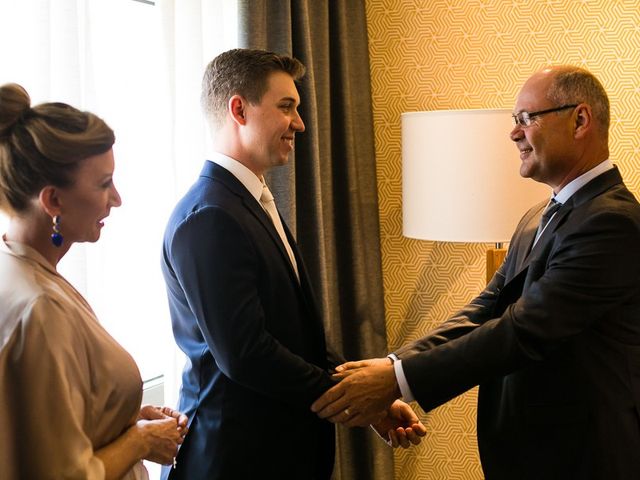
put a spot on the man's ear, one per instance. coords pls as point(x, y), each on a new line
point(237, 109)
point(584, 120)
point(49, 198)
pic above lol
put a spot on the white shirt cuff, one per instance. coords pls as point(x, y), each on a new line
point(405, 390)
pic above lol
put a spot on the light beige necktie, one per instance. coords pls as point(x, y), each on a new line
point(269, 204)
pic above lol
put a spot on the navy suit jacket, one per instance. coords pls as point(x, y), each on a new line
point(554, 343)
point(253, 336)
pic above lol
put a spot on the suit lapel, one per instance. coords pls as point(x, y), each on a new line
point(526, 236)
point(254, 207)
point(547, 234)
point(302, 269)
point(221, 174)
point(218, 173)
point(592, 189)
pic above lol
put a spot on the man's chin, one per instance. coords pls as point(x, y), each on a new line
point(526, 171)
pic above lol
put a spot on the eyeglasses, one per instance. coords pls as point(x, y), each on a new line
point(525, 119)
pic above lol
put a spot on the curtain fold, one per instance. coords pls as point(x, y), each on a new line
point(328, 194)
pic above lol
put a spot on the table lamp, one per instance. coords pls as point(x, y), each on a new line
point(461, 180)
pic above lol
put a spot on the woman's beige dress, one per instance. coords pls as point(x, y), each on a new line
point(67, 388)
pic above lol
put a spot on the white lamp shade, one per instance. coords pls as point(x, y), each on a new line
point(461, 177)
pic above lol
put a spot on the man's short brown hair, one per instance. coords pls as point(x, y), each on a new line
point(243, 72)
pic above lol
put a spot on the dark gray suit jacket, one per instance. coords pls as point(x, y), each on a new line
point(253, 336)
point(554, 343)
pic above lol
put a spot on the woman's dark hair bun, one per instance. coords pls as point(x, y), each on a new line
point(14, 103)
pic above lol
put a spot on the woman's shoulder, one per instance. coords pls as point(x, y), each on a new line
point(29, 297)
point(19, 289)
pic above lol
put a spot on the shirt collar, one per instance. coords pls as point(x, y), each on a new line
point(577, 183)
point(245, 176)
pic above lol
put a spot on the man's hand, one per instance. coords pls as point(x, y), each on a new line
point(363, 363)
point(366, 391)
point(401, 426)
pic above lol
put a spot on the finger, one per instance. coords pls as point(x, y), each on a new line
point(329, 397)
point(333, 409)
point(169, 411)
point(346, 373)
point(180, 418)
point(357, 420)
point(351, 365)
point(183, 420)
point(393, 438)
point(419, 429)
point(347, 366)
point(405, 413)
point(402, 438)
point(149, 412)
point(410, 418)
point(348, 418)
point(341, 417)
point(412, 437)
point(170, 422)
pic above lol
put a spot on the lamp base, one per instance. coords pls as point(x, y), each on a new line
point(495, 257)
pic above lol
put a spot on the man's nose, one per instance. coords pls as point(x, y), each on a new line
point(516, 133)
point(297, 123)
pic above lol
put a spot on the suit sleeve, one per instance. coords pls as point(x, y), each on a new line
point(591, 271)
point(334, 358)
point(219, 271)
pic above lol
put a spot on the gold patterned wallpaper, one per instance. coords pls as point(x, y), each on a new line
point(457, 54)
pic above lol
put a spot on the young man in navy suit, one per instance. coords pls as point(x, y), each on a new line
point(554, 339)
point(242, 308)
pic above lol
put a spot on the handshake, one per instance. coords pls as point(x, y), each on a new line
point(368, 394)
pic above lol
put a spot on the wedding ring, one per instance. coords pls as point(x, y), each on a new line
point(347, 412)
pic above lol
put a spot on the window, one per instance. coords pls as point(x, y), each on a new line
point(138, 65)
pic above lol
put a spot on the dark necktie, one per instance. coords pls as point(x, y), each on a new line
point(552, 208)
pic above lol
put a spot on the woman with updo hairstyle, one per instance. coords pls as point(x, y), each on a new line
point(69, 393)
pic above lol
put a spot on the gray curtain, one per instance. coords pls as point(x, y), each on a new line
point(328, 194)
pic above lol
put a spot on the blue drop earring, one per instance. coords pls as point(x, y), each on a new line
point(56, 236)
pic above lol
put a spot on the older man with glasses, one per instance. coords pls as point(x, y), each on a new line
point(554, 339)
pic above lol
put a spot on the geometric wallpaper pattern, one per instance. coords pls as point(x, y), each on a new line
point(458, 54)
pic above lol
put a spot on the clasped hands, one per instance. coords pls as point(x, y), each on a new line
point(368, 394)
point(163, 430)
